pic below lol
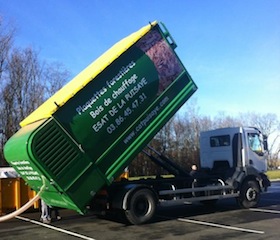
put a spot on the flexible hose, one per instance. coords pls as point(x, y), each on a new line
point(25, 206)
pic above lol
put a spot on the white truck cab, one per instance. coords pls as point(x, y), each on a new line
point(238, 157)
point(244, 147)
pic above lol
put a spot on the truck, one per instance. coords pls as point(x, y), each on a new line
point(73, 148)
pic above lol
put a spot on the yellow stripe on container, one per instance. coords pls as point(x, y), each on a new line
point(82, 79)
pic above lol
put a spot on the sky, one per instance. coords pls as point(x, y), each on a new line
point(230, 48)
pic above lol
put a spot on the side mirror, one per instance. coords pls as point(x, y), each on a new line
point(265, 145)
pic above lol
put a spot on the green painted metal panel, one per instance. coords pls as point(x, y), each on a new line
point(90, 139)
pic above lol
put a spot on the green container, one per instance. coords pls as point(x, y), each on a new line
point(83, 137)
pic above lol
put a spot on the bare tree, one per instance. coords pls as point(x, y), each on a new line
point(223, 121)
point(25, 83)
point(24, 72)
point(268, 123)
point(21, 91)
point(6, 42)
point(55, 75)
point(28, 85)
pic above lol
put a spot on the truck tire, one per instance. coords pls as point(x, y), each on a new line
point(249, 194)
point(141, 207)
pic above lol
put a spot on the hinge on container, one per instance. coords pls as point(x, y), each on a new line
point(168, 36)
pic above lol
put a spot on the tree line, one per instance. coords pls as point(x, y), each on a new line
point(26, 82)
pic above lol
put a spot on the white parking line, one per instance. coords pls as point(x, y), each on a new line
point(55, 228)
point(264, 210)
point(220, 226)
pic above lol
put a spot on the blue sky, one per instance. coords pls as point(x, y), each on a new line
point(230, 48)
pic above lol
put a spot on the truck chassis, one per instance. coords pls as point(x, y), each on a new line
point(138, 199)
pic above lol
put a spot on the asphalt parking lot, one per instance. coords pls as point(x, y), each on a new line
point(224, 221)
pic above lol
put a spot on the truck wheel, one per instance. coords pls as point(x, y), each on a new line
point(141, 207)
point(249, 195)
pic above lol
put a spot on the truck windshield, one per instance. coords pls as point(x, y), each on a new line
point(256, 143)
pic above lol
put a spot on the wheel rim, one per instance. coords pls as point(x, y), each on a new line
point(251, 194)
point(142, 206)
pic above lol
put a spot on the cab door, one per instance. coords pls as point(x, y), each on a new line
point(256, 153)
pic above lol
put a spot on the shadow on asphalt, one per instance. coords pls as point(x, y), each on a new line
point(268, 200)
point(192, 210)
